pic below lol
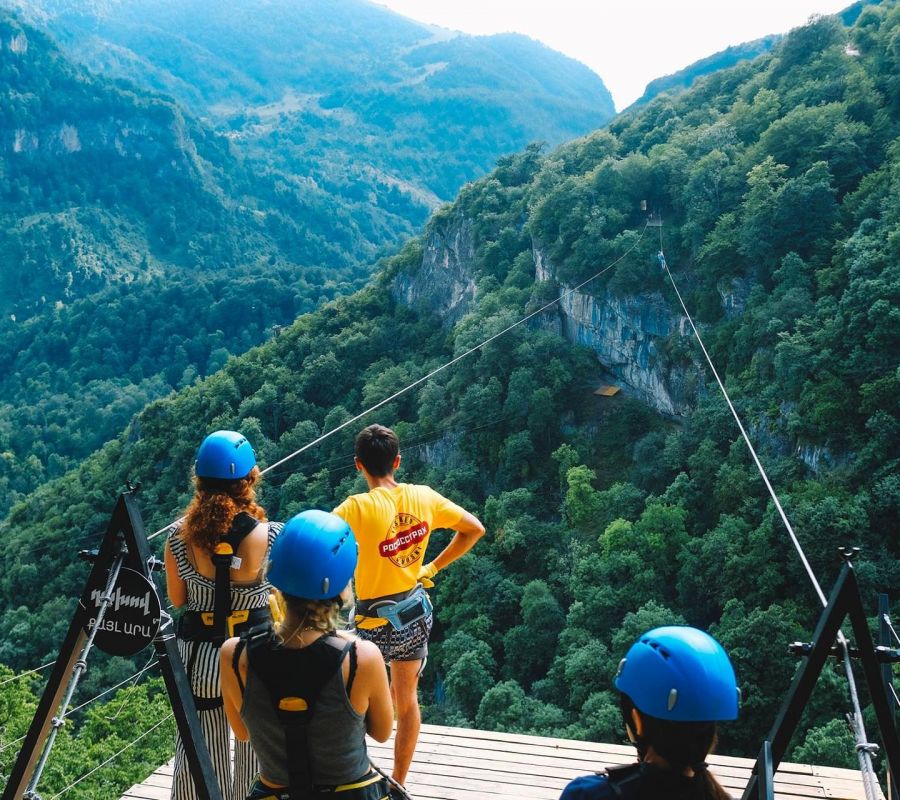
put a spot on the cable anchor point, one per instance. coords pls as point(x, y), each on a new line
point(848, 553)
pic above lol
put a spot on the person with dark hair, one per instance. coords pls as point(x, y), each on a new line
point(675, 684)
point(213, 559)
point(305, 695)
point(393, 522)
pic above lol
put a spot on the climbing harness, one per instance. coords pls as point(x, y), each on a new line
point(222, 623)
point(625, 782)
point(294, 680)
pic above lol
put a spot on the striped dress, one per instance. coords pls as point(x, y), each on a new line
point(234, 784)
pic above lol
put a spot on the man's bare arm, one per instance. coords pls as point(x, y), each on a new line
point(468, 531)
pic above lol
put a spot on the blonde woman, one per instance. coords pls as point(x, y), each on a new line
point(305, 695)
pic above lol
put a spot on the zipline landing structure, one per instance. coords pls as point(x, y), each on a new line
point(121, 613)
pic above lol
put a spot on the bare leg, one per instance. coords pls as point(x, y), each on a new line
point(404, 689)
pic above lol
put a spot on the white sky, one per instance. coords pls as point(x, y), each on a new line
point(628, 43)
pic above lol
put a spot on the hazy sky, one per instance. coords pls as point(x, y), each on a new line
point(628, 43)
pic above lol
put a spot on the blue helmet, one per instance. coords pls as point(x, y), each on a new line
point(226, 455)
point(680, 674)
point(314, 557)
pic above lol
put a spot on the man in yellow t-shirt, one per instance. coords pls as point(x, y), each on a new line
point(392, 523)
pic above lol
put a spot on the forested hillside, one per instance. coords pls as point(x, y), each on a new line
point(100, 183)
point(685, 78)
point(779, 185)
point(139, 247)
point(389, 115)
point(137, 251)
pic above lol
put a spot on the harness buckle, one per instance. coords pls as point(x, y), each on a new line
point(231, 621)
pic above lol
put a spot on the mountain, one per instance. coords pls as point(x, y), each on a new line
point(684, 79)
point(778, 183)
point(137, 252)
point(140, 246)
point(389, 115)
point(100, 183)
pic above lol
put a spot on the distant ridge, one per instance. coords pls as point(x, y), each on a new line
point(684, 78)
point(368, 106)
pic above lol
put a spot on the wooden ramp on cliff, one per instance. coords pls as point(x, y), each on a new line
point(463, 764)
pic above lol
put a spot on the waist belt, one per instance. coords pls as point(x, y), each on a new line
point(370, 787)
point(400, 613)
point(198, 626)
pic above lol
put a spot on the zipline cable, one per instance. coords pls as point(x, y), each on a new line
point(114, 756)
point(863, 747)
point(67, 714)
point(435, 371)
point(136, 677)
point(28, 672)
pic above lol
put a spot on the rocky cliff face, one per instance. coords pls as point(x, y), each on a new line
point(628, 334)
point(443, 283)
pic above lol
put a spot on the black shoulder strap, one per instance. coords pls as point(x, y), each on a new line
point(225, 550)
point(241, 527)
point(294, 680)
point(353, 664)
point(626, 781)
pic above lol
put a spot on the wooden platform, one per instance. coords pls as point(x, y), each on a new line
point(462, 764)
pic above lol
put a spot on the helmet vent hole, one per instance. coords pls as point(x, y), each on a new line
point(673, 698)
point(659, 649)
point(325, 584)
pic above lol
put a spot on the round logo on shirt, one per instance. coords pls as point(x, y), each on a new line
point(406, 540)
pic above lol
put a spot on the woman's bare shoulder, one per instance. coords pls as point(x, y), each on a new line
point(368, 653)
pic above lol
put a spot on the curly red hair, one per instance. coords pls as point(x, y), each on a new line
point(215, 505)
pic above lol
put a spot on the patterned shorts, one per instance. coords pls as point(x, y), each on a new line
point(408, 644)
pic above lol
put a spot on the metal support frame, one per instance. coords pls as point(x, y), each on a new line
point(884, 640)
point(767, 784)
point(125, 544)
point(844, 602)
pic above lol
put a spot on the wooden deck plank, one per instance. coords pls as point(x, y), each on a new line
point(463, 764)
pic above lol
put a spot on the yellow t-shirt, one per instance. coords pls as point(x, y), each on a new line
point(392, 527)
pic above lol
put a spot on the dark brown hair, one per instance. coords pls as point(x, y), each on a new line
point(681, 744)
point(376, 447)
point(214, 506)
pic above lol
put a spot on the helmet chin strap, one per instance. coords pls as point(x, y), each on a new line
point(638, 741)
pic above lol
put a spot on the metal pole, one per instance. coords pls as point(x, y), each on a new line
point(80, 669)
point(884, 639)
point(767, 777)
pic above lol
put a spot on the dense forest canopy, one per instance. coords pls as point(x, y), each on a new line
point(778, 181)
point(386, 115)
point(139, 248)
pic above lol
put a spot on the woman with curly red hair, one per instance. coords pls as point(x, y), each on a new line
point(223, 523)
